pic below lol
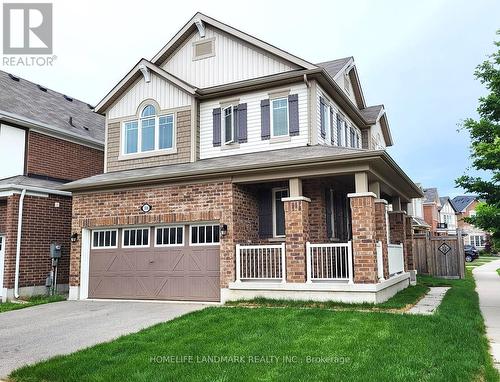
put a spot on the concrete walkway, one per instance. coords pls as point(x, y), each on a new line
point(32, 334)
point(430, 302)
point(488, 288)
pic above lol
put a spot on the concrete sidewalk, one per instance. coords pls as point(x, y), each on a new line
point(488, 288)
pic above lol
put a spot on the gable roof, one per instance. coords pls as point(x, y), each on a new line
point(334, 67)
point(190, 27)
point(133, 75)
point(463, 201)
point(443, 200)
point(372, 113)
point(31, 105)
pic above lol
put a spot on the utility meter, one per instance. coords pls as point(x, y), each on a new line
point(55, 250)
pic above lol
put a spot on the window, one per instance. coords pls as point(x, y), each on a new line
point(169, 236)
point(477, 240)
point(339, 130)
point(229, 122)
point(325, 119)
point(353, 137)
point(346, 134)
point(279, 211)
point(104, 238)
point(149, 133)
point(279, 117)
point(136, 237)
point(358, 141)
point(205, 234)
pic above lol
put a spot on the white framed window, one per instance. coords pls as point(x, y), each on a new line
point(346, 134)
point(326, 121)
point(279, 211)
point(149, 133)
point(477, 240)
point(171, 236)
point(279, 117)
point(229, 124)
point(339, 130)
point(104, 238)
point(135, 237)
point(204, 234)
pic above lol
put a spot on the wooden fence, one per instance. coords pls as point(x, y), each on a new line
point(440, 256)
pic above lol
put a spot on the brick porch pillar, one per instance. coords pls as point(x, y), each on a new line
point(381, 231)
point(364, 237)
point(297, 234)
point(409, 243)
point(397, 231)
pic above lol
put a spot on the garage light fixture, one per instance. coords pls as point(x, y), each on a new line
point(223, 229)
point(74, 237)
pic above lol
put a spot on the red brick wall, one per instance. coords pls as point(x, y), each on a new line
point(314, 189)
point(57, 158)
point(43, 223)
point(216, 201)
point(430, 216)
point(297, 234)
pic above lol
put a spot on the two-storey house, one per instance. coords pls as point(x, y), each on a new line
point(46, 139)
point(465, 206)
point(234, 169)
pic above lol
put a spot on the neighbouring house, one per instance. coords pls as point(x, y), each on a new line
point(465, 206)
point(431, 206)
point(234, 169)
point(416, 211)
point(46, 139)
point(439, 213)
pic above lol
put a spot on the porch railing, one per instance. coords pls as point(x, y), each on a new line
point(396, 260)
point(329, 262)
point(380, 261)
point(260, 262)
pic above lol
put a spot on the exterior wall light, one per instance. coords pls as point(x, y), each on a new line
point(74, 237)
point(223, 229)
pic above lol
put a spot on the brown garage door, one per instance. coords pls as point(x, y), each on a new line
point(155, 263)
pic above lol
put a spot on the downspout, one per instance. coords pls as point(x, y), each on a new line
point(309, 118)
point(18, 243)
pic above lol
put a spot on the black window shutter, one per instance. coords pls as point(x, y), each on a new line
point(339, 130)
point(293, 114)
point(265, 119)
point(322, 117)
point(216, 126)
point(265, 213)
point(328, 201)
point(332, 138)
point(242, 122)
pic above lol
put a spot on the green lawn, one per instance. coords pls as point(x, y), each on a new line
point(481, 261)
point(308, 345)
point(32, 301)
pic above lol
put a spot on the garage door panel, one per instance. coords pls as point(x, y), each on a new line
point(170, 273)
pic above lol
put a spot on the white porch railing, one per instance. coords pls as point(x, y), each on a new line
point(380, 262)
point(260, 262)
point(329, 262)
point(395, 256)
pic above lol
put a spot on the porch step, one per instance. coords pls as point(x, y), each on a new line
point(430, 302)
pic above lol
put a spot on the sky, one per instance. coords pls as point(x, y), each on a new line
point(417, 58)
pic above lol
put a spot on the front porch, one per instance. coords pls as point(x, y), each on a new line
point(344, 238)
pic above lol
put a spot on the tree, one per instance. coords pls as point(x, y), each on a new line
point(485, 149)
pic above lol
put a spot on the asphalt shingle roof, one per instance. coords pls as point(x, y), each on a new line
point(39, 104)
point(334, 66)
point(431, 195)
point(461, 202)
point(371, 113)
point(21, 180)
point(218, 164)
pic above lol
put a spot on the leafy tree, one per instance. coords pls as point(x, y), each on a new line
point(485, 149)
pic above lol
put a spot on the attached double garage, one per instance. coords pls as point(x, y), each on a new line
point(171, 262)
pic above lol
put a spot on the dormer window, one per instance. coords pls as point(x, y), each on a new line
point(149, 133)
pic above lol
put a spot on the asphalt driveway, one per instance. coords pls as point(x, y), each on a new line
point(33, 334)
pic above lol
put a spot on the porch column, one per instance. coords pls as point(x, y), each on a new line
point(397, 231)
point(381, 231)
point(296, 232)
point(363, 234)
point(409, 243)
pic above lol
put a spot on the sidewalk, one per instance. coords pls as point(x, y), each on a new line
point(488, 288)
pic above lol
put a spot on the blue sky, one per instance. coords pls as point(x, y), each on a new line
point(417, 58)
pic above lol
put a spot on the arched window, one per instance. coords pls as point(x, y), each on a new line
point(151, 132)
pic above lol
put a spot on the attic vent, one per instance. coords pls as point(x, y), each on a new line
point(42, 88)
point(68, 98)
point(203, 49)
point(13, 77)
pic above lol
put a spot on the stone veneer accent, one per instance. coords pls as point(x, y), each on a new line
point(364, 238)
point(183, 145)
point(297, 234)
point(381, 232)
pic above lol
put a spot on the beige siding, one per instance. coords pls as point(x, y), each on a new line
point(340, 80)
point(167, 95)
point(255, 143)
point(234, 60)
point(183, 142)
